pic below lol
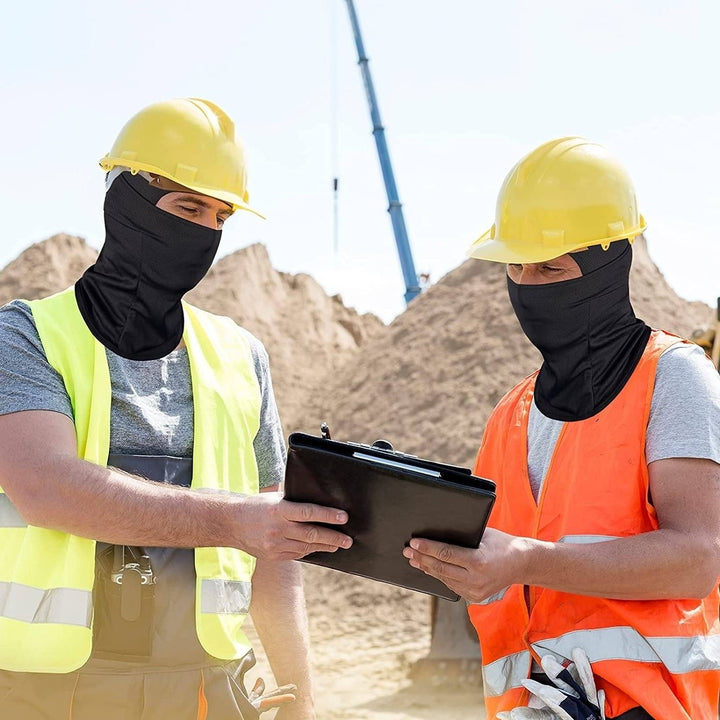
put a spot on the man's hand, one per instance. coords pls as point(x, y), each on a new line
point(475, 574)
point(269, 527)
point(528, 713)
point(263, 701)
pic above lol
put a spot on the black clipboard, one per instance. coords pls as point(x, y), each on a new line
point(390, 498)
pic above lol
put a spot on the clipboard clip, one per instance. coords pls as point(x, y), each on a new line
point(377, 445)
point(384, 445)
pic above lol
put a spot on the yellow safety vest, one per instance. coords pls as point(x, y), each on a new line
point(46, 576)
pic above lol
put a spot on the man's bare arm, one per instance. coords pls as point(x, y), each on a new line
point(679, 560)
point(51, 487)
point(279, 615)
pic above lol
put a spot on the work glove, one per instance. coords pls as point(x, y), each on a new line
point(574, 696)
point(263, 701)
point(527, 713)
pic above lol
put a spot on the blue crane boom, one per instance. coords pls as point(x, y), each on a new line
point(412, 287)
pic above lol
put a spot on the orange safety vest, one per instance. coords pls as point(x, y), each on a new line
point(662, 655)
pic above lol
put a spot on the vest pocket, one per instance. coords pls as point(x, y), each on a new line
point(224, 688)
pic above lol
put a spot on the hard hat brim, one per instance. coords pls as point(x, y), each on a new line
point(496, 250)
point(107, 163)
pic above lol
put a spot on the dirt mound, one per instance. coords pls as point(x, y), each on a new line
point(657, 303)
point(45, 268)
point(308, 335)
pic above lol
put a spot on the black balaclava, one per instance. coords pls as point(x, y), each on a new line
point(130, 298)
point(587, 333)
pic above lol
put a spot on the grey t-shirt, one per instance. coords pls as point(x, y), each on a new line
point(684, 415)
point(151, 414)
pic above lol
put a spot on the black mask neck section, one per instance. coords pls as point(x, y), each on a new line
point(587, 332)
point(130, 298)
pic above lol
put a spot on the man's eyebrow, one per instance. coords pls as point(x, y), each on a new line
point(197, 200)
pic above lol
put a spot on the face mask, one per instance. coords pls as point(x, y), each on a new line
point(586, 331)
point(130, 299)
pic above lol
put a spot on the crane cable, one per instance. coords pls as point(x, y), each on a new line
point(334, 125)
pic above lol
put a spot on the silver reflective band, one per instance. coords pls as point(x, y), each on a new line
point(9, 516)
point(678, 654)
point(223, 597)
point(493, 598)
point(62, 606)
point(586, 539)
point(506, 673)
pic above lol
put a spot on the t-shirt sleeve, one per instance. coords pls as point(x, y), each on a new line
point(685, 410)
point(269, 443)
point(27, 380)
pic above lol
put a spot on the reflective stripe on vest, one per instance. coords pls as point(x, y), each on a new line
point(66, 606)
point(506, 673)
point(9, 516)
point(587, 539)
point(678, 654)
point(493, 598)
point(222, 597)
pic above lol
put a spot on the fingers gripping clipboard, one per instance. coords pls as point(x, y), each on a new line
point(390, 498)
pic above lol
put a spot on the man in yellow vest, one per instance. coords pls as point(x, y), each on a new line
point(140, 459)
point(594, 590)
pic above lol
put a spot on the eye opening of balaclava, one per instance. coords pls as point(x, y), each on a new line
point(131, 297)
point(586, 331)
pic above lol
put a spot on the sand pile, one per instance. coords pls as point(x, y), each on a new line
point(657, 303)
point(45, 268)
point(308, 335)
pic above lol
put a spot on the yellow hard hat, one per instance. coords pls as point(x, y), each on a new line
point(189, 141)
point(565, 195)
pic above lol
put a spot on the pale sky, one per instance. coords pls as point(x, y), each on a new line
point(465, 87)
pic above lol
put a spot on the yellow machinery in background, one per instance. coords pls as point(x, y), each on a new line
point(454, 656)
point(709, 339)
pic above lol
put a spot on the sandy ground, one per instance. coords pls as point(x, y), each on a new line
point(365, 638)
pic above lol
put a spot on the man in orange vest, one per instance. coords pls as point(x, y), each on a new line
point(594, 589)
